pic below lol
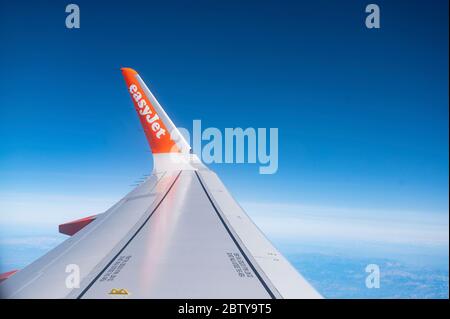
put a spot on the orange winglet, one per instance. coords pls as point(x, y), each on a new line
point(8, 274)
point(156, 131)
point(73, 227)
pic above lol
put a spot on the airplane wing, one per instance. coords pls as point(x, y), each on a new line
point(180, 234)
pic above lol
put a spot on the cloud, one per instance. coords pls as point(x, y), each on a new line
point(41, 242)
point(290, 221)
point(49, 209)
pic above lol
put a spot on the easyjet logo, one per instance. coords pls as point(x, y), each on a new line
point(145, 111)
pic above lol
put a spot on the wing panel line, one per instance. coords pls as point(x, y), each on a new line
point(129, 241)
point(235, 241)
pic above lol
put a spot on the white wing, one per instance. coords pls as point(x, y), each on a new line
point(178, 235)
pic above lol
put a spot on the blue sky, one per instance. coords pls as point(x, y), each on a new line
point(362, 114)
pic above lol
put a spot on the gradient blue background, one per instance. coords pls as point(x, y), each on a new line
point(362, 117)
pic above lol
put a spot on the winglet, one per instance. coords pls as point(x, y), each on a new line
point(170, 149)
point(161, 133)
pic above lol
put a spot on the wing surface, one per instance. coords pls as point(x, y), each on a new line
point(178, 235)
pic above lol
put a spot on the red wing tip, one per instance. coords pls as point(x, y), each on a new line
point(8, 274)
point(71, 228)
point(128, 70)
